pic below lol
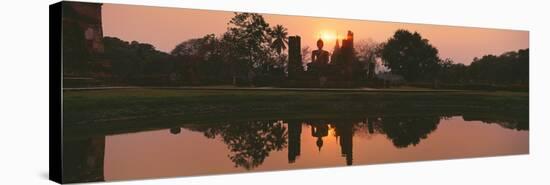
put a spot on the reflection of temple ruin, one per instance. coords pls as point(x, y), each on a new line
point(338, 71)
point(343, 132)
point(83, 159)
point(294, 134)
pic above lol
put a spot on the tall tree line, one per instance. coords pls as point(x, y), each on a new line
point(251, 52)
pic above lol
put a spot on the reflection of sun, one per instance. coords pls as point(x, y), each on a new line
point(331, 130)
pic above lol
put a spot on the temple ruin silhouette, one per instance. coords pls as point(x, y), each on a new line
point(320, 129)
point(325, 69)
point(83, 21)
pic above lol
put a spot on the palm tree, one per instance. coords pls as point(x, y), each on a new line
point(280, 36)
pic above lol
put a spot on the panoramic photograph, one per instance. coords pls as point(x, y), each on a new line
point(155, 92)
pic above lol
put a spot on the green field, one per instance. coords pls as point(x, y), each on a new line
point(123, 110)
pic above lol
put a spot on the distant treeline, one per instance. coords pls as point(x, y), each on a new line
point(251, 52)
point(508, 68)
point(413, 58)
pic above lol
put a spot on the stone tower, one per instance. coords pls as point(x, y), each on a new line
point(348, 56)
point(83, 21)
point(294, 57)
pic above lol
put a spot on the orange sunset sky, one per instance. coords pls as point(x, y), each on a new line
point(166, 27)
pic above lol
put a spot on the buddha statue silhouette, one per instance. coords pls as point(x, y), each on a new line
point(320, 58)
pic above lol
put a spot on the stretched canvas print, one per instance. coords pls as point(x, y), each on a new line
point(149, 92)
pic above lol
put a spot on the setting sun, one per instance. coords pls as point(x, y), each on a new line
point(328, 35)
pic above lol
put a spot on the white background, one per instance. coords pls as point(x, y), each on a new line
point(24, 91)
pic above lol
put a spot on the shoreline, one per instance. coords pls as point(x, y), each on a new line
point(222, 88)
point(122, 109)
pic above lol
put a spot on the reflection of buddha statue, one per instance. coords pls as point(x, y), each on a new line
point(319, 131)
point(319, 60)
point(319, 143)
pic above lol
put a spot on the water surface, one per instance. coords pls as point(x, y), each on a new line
point(262, 145)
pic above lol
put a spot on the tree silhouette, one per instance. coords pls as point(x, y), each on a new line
point(367, 53)
point(235, 54)
point(306, 54)
point(250, 38)
point(409, 55)
point(451, 72)
point(203, 59)
point(251, 32)
point(280, 38)
point(203, 47)
point(132, 61)
point(509, 68)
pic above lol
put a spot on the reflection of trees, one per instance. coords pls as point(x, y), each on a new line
point(404, 131)
point(519, 122)
point(175, 130)
point(511, 124)
point(249, 143)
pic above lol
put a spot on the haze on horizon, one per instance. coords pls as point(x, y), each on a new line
point(164, 28)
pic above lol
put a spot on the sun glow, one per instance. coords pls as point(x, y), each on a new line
point(327, 35)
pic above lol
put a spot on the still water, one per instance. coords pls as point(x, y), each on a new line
point(202, 149)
